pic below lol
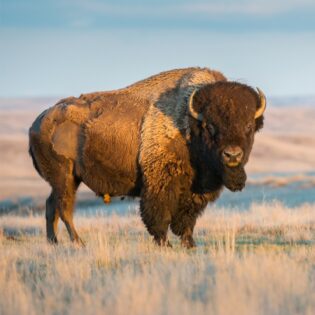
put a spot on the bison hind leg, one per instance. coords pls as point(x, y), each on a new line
point(61, 203)
point(52, 216)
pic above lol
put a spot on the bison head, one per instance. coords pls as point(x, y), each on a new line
point(225, 117)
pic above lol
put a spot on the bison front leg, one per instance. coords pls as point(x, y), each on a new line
point(156, 216)
point(184, 220)
point(183, 225)
point(157, 204)
point(162, 184)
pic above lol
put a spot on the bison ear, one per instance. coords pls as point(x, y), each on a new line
point(192, 112)
point(259, 118)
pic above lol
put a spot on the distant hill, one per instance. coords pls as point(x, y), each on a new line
point(44, 102)
point(305, 101)
point(286, 144)
point(27, 102)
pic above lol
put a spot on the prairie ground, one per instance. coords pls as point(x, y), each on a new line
point(255, 261)
point(261, 261)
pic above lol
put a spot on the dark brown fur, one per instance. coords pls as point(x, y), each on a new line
point(141, 141)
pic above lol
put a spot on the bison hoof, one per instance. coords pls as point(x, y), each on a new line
point(162, 242)
point(52, 240)
point(81, 243)
point(77, 242)
point(188, 242)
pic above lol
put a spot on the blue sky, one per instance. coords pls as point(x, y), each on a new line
point(67, 47)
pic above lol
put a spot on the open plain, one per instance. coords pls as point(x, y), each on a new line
point(258, 259)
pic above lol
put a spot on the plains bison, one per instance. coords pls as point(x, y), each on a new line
point(174, 139)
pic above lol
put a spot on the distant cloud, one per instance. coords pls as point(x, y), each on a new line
point(223, 7)
point(127, 9)
point(262, 7)
point(180, 14)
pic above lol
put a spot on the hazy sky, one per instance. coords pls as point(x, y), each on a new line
point(67, 47)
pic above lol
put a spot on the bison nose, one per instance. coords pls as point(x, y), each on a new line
point(232, 156)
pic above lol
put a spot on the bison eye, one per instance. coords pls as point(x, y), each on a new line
point(249, 127)
point(211, 129)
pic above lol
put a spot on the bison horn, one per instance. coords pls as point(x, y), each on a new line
point(262, 107)
point(191, 109)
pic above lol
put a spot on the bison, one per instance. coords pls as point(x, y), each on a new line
point(174, 140)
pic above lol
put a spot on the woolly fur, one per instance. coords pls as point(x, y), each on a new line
point(133, 141)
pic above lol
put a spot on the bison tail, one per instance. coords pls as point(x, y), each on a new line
point(36, 166)
point(34, 148)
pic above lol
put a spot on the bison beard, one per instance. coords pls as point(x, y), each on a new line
point(234, 178)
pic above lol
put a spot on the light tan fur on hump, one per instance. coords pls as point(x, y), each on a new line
point(167, 118)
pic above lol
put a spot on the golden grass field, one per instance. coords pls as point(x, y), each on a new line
point(256, 261)
point(261, 261)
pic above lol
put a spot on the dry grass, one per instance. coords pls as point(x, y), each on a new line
point(258, 262)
